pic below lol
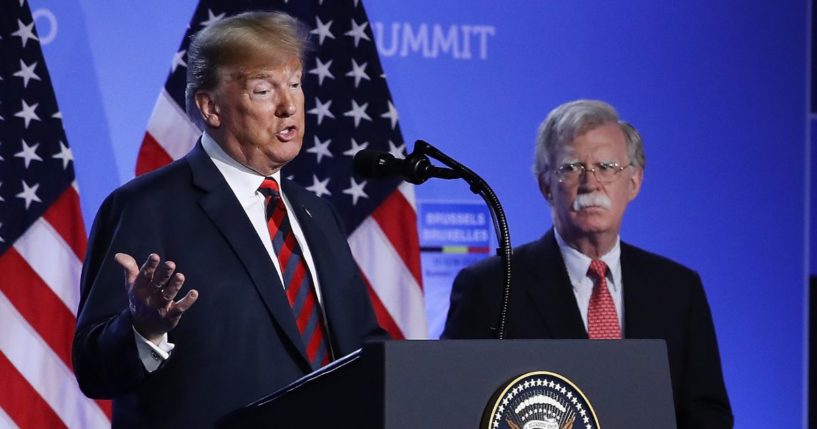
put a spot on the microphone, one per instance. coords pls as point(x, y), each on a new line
point(415, 168)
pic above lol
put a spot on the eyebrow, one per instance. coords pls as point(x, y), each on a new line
point(264, 75)
point(260, 75)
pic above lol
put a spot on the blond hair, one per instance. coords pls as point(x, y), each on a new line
point(240, 40)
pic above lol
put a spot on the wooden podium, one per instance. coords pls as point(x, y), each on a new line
point(449, 383)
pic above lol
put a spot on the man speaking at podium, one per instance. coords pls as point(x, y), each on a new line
point(581, 281)
point(258, 286)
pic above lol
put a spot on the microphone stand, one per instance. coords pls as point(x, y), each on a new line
point(481, 188)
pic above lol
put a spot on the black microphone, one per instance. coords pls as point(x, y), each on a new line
point(415, 168)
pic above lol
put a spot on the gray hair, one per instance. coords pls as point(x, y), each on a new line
point(574, 118)
point(241, 39)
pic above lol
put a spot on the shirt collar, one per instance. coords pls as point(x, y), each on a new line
point(243, 181)
point(577, 263)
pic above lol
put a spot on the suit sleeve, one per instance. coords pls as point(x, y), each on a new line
point(704, 401)
point(472, 311)
point(106, 361)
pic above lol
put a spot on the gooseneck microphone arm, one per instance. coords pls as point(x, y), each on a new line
point(416, 168)
point(481, 188)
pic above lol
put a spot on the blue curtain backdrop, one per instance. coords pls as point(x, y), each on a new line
point(718, 89)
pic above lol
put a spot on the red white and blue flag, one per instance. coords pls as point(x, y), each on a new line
point(348, 108)
point(42, 242)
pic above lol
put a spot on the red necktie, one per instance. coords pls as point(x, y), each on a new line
point(602, 319)
point(297, 282)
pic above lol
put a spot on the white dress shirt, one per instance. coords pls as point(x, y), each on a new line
point(577, 265)
point(244, 184)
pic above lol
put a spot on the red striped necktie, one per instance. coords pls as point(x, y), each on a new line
point(602, 319)
point(297, 282)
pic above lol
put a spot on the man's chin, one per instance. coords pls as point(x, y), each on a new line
point(590, 222)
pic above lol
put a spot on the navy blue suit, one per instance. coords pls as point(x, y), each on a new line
point(239, 341)
point(662, 299)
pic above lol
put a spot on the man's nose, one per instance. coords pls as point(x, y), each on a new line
point(286, 105)
point(589, 178)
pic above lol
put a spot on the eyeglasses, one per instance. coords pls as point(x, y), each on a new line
point(605, 172)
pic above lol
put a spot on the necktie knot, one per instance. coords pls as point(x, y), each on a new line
point(269, 188)
point(271, 192)
point(597, 270)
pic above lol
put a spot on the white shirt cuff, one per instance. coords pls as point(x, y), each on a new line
point(150, 354)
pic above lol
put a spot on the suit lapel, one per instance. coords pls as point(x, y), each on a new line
point(548, 285)
point(636, 290)
point(220, 204)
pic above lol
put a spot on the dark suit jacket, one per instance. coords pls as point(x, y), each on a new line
point(662, 299)
point(239, 341)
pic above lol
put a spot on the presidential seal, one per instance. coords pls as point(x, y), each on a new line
point(539, 400)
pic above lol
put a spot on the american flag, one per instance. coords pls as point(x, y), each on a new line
point(349, 108)
point(42, 242)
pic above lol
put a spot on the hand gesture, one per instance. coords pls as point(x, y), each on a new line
point(151, 290)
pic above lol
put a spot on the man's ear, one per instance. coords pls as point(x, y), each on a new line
point(634, 183)
point(208, 109)
point(544, 185)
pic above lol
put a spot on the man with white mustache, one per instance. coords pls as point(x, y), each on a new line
point(581, 281)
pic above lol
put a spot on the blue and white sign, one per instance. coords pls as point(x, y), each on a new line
point(452, 236)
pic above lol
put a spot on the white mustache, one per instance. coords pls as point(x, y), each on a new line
point(591, 200)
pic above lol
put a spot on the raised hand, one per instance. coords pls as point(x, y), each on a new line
point(151, 291)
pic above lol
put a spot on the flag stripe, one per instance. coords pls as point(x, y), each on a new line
point(391, 280)
point(65, 217)
point(38, 304)
point(44, 371)
point(53, 260)
point(171, 128)
point(383, 317)
point(5, 419)
point(106, 405)
point(393, 216)
point(26, 406)
point(407, 189)
point(151, 156)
